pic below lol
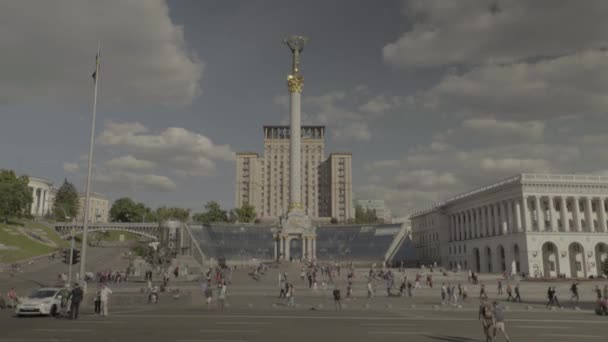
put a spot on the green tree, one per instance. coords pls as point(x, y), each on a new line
point(67, 202)
point(365, 216)
point(172, 213)
point(126, 210)
point(245, 214)
point(15, 196)
point(213, 213)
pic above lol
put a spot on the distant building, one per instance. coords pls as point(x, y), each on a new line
point(378, 206)
point(99, 208)
point(263, 181)
point(43, 194)
point(544, 225)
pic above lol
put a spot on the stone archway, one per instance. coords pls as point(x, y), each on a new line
point(502, 260)
point(295, 248)
point(601, 255)
point(489, 258)
point(516, 267)
point(578, 266)
point(476, 260)
point(550, 260)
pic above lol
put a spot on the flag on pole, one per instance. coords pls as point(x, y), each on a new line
point(96, 67)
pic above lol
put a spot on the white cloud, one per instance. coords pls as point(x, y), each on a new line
point(595, 139)
point(121, 180)
point(130, 163)
point(144, 58)
point(173, 143)
point(422, 179)
point(379, 105)
point(71, 167)
point(382, 164)
point(532, 130)
point(481, 31)
point(515, 165)
point(568, 86)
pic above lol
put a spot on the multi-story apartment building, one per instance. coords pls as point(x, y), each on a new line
point(263, 181)
point(99, 208)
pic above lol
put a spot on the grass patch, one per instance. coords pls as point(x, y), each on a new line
point(27, 247)
point(114, 236)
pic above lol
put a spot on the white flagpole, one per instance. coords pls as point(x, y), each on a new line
point(83, 254)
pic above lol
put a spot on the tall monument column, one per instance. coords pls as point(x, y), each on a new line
point(297, 225)
point(295, 82)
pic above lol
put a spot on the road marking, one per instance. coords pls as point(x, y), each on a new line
point(97, 322)
point(210, 340)
point(244, 323)
point(63, 330)
point(397, 332)
point(236, 331)
point(387, 324)
point(571, 335)
point(368, 318)
point(541, 327)
point(35, 339)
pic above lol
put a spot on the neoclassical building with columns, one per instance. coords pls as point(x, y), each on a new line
point(43, 194)
point(545, 225)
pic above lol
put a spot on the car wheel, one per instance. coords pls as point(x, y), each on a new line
point(53, 311)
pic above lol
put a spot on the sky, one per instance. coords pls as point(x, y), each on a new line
point(432, 97)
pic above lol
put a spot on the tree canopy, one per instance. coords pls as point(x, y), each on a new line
point(15, 195)
point(67, 202)
point(245, 214)
point(364, 216)
point(213, 213)
point(126, 210)
point(172, 213)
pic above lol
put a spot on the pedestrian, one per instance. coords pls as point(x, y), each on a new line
point(517, 294)
point(550, 297)
point(486, 316)
point(76, 298)
point(349, 289)
point(208, 293)
point(370, 289)
point(555, 300)
point(291, 299)
point(97, 301)
point(574, 292)
point(104, 293)
point(444, 293)
point(337, 299)
point(509, 292)
point(499, 322)
point(410, 289)
point(598, 292)
point(221, 296)
point(499, 287)
point(482, 292)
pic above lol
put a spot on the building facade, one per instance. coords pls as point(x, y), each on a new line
point(99, 208)
point(538, 224)
point(43, 194)
point(263, 181)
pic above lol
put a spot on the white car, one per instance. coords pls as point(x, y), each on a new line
point(44, 301)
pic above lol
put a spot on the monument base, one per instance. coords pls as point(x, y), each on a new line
point(296, 226)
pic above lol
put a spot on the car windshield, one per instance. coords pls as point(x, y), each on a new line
point(42, 294)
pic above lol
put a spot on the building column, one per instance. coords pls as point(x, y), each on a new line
point(314, 247)
point(451, 225)
point(503, 218)
point(479, 223)
point(460, 226)
point(33, 205)
point(576, 216)
point(602, 215)
point(496, 223)
point(276, 248)
point(509, 216)
point(483, 221)
point(282, 246)
point(563, 214)
point(553, 214)
point(287, 248)
point(518, 227)
point(526, 213)
point(45, 207)
point(589, 215)
point(537, 208)
point(469, 226)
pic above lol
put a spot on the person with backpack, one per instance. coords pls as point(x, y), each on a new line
point(486, 316)
point(337, 299)
point(499, 321)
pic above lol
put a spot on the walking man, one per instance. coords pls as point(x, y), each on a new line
point(499, 321)
point(486, 316)
point(337, 299)
point(76, 296)
point(517, 296)
point(104, 294)
point(574, 292)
